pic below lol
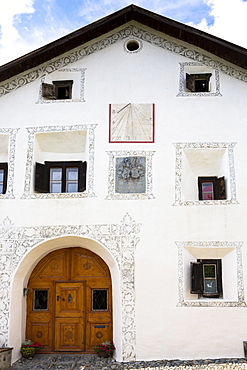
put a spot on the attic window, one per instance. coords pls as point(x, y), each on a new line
point(58, 90)
point(132, 45)
point(198, 82)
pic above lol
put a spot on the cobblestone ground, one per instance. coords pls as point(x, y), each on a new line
point(93, 362)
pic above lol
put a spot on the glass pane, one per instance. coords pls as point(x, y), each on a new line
point(210, 286)
point(100, 299)
point(209, 271)
point(40, 300)
point(56, 187)
point(72, 173)
point(207, 191)
point(71, 187)
point(1, 175)
point(55, 174)
point(1, 188)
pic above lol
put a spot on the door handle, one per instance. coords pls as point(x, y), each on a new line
point(58, 297)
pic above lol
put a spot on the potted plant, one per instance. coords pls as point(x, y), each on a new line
point(29, 348)
point(104, 349)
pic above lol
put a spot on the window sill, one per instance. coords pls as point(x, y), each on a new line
point(211, 302)
point(58, 195)
point(54, 101)
point(205, 202)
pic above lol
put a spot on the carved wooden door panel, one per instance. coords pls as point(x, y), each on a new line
point(69, 304)
point(69, 317)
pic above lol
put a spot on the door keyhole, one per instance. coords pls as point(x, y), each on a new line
point(70, 298)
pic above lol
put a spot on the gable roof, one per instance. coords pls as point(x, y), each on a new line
point(219, 47)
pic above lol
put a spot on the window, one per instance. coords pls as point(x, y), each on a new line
point(211, 188)
point(58, 90)
point(3, 177)
point(206, 278)
point(40, 300)
point(60, 177)
point(99, 299)
point(198, 82)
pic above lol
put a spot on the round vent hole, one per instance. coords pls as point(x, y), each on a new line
point(132, 45)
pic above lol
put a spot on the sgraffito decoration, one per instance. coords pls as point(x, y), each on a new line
point(130, 175)
point(178, 173)
point(95, 46)
point(240, 302)
point(120, 239)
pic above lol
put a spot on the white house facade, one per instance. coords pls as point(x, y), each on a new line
point(123, 192)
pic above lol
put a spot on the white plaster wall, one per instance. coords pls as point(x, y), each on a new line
point(163, 330)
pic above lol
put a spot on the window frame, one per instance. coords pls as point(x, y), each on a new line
point(197, 278)
point(107, 300)
point(51, 91)
point(219, 189)
point(191, 80)
point(4, 167)
point(42, 175)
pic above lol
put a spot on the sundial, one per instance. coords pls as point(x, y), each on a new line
point(132, 123)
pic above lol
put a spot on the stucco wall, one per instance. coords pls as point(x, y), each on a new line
point(109, 74)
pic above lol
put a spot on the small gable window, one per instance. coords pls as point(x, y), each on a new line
point(211, 188)
point(58, 90)
point(206, 278)
point(3, 177)
point(60, 177)
point(198, 82)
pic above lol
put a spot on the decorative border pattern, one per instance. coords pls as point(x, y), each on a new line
point(178, 173)
point(219, 303)
point(29, 164)
point(130, 31)
point(120, 239)
point(149, 179)
point(82, 85)
point(181, 82)
point(12, 132)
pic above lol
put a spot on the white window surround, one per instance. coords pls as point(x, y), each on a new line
point(194, 68)
point(180, 148)
point(32, 131)
point(232, 272)
point(9, 149)
point(69, 74)
point(112, 173)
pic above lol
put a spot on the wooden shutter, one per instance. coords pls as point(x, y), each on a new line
point(219, 277)
point(82, 169)
point(196, 286)
point(48, 91)
point(220, 188)
point(41, 178)
point(4, 166)
point(190, 82)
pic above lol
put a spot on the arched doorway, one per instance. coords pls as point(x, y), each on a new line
point(69, 304)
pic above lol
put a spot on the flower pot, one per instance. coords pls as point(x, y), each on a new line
point(103, 354)
point(28, 352)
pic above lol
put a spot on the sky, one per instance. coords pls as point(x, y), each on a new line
point(26, 25)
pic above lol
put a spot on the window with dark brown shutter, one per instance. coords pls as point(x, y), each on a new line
point(3, 177)
point(206, 278)
point(60, 177)
point(198, 82)
point(211, 188)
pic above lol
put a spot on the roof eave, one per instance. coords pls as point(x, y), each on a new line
point(221, 48)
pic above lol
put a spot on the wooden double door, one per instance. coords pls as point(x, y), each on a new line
point(69, 304)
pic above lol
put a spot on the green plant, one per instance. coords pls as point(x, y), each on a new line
point(107, 347)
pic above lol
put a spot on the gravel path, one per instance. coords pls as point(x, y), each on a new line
point(93, 362)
